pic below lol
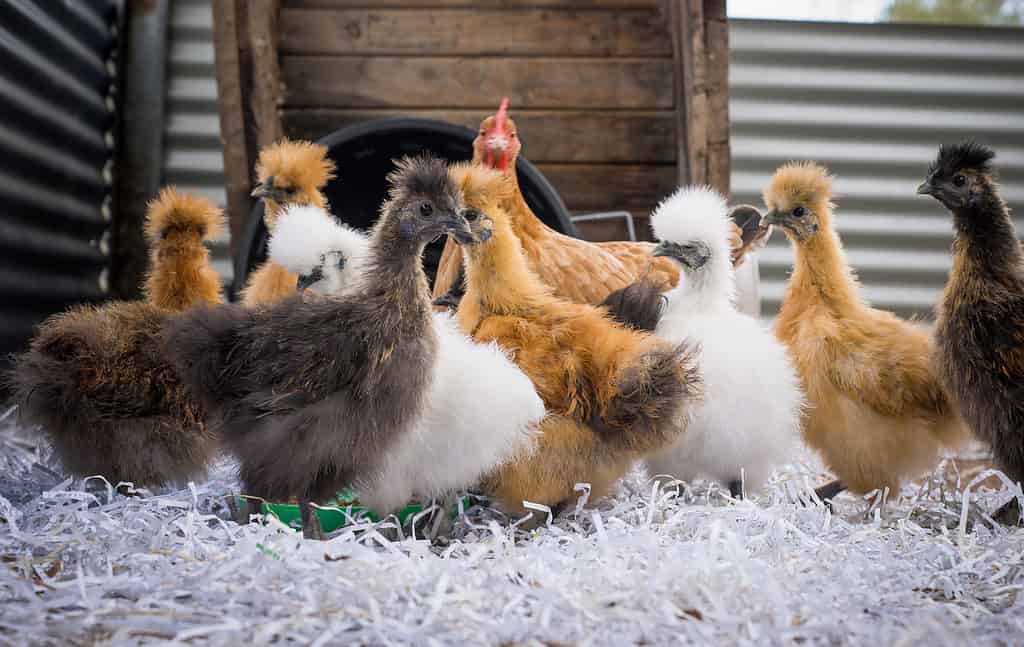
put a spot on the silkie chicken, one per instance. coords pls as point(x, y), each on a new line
point(96, 379)
point(980, 330)
point(749, 420)
point(288, 173)
point(576, 269)
point(877, 411)
point(481, 410)
point(613, 395)
point(322, 254)
point(312, 393)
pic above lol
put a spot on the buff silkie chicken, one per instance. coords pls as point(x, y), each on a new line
point(749, 419)
point(96, 378)
point(877, 410)
point(481, 410)
point(613, 395)
point(980, 329)
point(312, 393)
point(288, 173)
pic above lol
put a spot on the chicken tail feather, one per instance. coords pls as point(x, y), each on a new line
point(180, 273)
point(638, 305)
point(648, 406)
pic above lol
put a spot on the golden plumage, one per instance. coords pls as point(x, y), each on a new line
point(877, 411)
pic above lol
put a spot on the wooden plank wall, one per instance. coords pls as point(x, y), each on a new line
point(590, 83)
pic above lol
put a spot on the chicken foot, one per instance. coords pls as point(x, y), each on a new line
point(1009, 514)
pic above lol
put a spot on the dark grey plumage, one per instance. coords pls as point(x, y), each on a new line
point(311, 392)
point(980, 328)
point(638, 305)
point(952, 158)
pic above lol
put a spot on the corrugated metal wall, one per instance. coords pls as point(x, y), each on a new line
point(872, 102)
point(57, 113)
point(193, 158)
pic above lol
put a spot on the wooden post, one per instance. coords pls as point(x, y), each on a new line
point(716, 32)
point(701, 53)
point(248, 82)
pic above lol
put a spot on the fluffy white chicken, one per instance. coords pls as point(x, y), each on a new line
point(749, 419)
point(481, 409)
point(309, 240)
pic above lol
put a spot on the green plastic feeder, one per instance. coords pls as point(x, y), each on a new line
point(345, 508)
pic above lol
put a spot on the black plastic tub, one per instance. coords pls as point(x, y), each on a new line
point(363, 154)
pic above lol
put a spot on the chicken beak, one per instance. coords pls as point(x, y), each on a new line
point(774, 217)
point(664, 248)
point(926, 188)
point(262, 189)
point(306, 280)
point(267, 191)
point(456, 225)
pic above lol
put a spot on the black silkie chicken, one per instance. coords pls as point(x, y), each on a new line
point(980, 328)
point(311, 393)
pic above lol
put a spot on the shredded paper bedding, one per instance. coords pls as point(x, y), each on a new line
point(83, 564)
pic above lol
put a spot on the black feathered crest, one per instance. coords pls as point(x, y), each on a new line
point(953, 158)
point(423, 174)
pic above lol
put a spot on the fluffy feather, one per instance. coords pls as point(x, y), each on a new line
point(749, 419)
point(481, 410)
point(289, 173)
point(97, 380)
point(307, 237)
point(700, 214)
point(613, 394)
point(878, 413)
point(980, 329)
point(312, 393)
point(180, 274)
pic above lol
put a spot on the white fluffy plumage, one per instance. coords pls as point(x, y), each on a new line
point(481, 409)
point(307, 237)
point(481, 412)
point(749, 419)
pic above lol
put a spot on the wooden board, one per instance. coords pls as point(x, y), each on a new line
point(594, 187)
point(474, 4)
point(411, 82)
point(448, 32)
point(547, 135)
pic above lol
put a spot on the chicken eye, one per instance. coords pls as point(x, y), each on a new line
point(471, 215)
point(959, 180)
point(799, 212)
point(426, 209)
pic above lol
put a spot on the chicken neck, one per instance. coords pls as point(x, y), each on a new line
point(985, 243)
point(497, 276)
point(394, 280)
point(822, 276)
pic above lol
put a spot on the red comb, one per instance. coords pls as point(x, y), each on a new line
point(499, 118)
